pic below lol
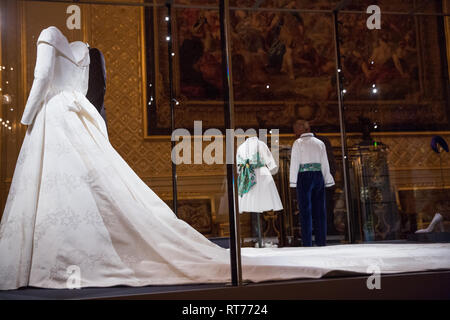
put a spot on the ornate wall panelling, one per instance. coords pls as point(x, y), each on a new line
point(118, 32)
point(11, 99)
point(22, 23)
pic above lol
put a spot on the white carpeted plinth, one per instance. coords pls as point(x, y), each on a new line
point(315, 262)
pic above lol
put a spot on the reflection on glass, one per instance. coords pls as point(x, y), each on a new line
point(396, 99)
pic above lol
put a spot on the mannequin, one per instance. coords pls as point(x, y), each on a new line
point(257, 190)
point(97, 80)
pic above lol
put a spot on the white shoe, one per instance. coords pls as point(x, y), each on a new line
point(436, 220)
point(270, 245)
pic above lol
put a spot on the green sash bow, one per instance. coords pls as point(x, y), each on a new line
point(247, 175)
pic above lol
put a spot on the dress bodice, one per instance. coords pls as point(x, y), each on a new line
point(71, 65)
point(255, 151)
point(60, 66)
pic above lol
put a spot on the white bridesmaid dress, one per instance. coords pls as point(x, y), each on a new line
point(263, 196)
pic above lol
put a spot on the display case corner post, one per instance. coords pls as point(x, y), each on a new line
point(235, 247)
point(345, 158)
point(168, 5)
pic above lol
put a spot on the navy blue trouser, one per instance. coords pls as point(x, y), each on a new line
point(311, 203)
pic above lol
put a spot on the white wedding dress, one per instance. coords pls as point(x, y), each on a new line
point(74, 201)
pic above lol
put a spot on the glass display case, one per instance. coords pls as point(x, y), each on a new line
point(188, 81)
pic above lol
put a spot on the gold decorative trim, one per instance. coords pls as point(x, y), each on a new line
point(86, 16)
point(211, 199)
point(191, 197)
point(23, 52)
point(335, 134)
point(419, 168)
point(420, 222)
point(387, 133)
point(144, 71)
point(446, 9)
point(162, 177)
point(156, 70)
point(416, 188)
point(2, 156)
point(422, 188)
